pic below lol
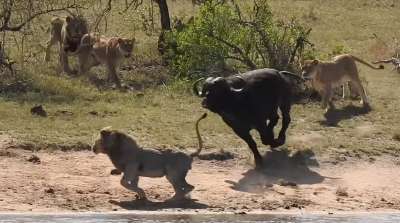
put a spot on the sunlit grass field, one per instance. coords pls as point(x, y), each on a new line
point(161, 111)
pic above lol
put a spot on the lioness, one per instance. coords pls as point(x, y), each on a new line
point(134, 161)
point(327, 75)
point(107, 51)
point(68, 35)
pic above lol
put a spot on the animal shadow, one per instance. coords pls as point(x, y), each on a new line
point(159, 205)
point(280, 167)
point(334, 116)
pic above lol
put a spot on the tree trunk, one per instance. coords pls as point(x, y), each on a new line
point(164, 13)
point(165, 25)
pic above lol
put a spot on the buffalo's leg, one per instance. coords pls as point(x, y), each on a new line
point(285, 109)
point(243, 131)
point(267, 131)
point(245, 135)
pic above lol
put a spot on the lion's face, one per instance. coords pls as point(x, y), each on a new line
point(309, 68)
point(125, 46)
point(75, 28)
point(105, 142)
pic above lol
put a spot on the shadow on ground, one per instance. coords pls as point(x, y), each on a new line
point(280, 167)
point(159, 205)
point(334, 116)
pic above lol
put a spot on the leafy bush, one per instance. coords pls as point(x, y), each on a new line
point(337, 50)
point(224, 37)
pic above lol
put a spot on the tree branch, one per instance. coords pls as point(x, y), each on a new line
point(102, 15)
point(245, 59)
point(7, 17)
point(300, 42)
point(135, 3)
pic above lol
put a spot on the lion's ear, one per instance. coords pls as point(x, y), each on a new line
point(120, 40)
point(105, 132)
point(68, 19)
point(315, 62)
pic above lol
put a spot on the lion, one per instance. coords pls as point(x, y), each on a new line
point(327, 75)
point(133, 161)
point(111, 51)
point(68, 34)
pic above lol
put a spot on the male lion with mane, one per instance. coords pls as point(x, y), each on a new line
point(328, 75)
point(67, 33)
point(133, 161)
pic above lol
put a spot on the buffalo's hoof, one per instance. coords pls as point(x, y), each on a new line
point(115, 172)
point(277, 143)
point(259, 165)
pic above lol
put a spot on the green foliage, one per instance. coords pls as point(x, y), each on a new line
point(338, 49)
point(224, 37)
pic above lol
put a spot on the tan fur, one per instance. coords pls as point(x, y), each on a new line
point(67, 33)
point(107, 51)
point(134, 161)
point(326, 76)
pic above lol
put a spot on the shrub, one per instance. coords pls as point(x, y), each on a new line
point(224, 38)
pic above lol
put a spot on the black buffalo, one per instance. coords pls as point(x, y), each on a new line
point(251, 101)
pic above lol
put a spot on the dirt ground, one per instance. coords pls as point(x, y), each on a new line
point(81, 181)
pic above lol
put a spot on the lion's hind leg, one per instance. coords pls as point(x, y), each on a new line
point(356, 83)
point(112, 75)
point(179, 183)
point(327, 95)
point(49, 44)
point(351, 92)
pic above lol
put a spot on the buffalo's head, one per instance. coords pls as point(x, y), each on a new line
point(216, 91)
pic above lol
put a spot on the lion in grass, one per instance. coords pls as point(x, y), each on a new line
point(67, 33)
point(133, 161)
point(94, 51)
point(328, 75)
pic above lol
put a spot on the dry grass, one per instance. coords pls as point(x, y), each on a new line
point(162, 115)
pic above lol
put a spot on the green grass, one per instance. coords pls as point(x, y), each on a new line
point(162, 112)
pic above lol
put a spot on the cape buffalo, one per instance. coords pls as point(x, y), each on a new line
point(251, 101)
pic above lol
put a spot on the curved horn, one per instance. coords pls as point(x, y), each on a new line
point(238, 89)
point(196, 89)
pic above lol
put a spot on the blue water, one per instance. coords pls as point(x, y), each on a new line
point(133, 218)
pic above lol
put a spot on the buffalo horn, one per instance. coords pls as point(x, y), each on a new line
point(196, 89)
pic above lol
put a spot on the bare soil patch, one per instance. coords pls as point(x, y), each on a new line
point(81, 181)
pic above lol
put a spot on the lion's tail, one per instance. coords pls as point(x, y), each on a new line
point(367, 64)
point(199, 136)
